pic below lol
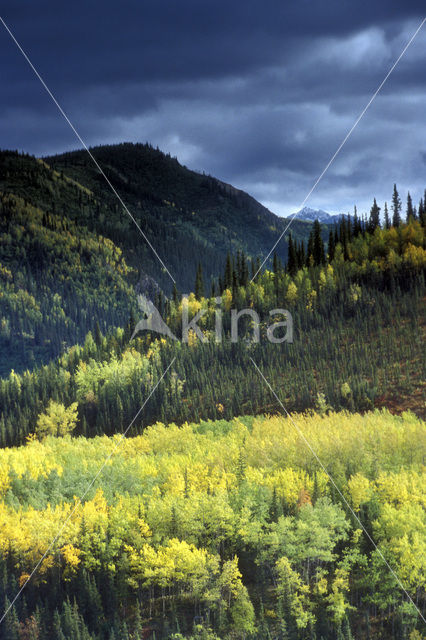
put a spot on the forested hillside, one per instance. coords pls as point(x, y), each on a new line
point(57, 282)
point(359, 326)
point(58, 235)
point(219, 530)
point(195, 217)
point(187, 216)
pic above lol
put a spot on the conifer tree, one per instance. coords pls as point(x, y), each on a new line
point(199, 283)
point(387, 219)
point(422, 212)
point(244, 270)
point(396, 207)
point(301, 257)
point(274, 507)
point(175, 293)
point(318, 245)
point(374, 221)
point(292, 259)
point(310, 250)
point(228, 272)
point(331, 246)
point(409, 210)
point(275, 266)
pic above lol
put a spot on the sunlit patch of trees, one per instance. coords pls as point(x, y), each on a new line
point(231, 526)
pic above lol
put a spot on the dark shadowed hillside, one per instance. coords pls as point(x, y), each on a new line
point(189, 217)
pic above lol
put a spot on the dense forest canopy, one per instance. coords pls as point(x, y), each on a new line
point(230, 525)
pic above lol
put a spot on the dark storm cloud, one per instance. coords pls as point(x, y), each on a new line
point(259, 94)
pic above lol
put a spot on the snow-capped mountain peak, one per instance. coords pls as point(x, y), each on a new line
point(314, 214)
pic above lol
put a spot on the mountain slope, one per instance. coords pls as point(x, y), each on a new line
point(57, 282)
point(188, 217)
point(64, 233)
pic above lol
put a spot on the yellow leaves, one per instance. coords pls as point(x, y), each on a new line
point(311, 299)
point(31, 437)
point(338, 605)
point(335, 436)
point(5, 274)
point(4, 479)
point(192, 338)
point(322, 280)
point(414, 256)
point(47, 564)
point(144, 529)
point(36, 460)
point(230, 579)
point(321, 585)
point(359, 490)
point(186, 479)
point(292, 293)
point(401, 525)
point(95, 511)
point(411, 235)
point(177, 561)
point(15, 380)
point(192, 303)
point(355, 293)
point(23, 579)
point(57, 421)
point(402, 487)
point(115, 373)
point(288, 482)
point(227, 299)
point(71, 556)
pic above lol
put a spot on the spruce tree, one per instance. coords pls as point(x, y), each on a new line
point(331, 246)
point(275, 266)
point(274, 507)
point(301, 255)
point(396, 207)
point(387, 219)
point(318, 245)
point(374, 221)
point(175, 293)
point(292, 259)
point(409, 210)
point(310, 250)
point(199, 283)
point(228, 272)
point(243, 270)
point(11, 622)
point(422, 212)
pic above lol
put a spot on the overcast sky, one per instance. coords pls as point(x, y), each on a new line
point(258, 94)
